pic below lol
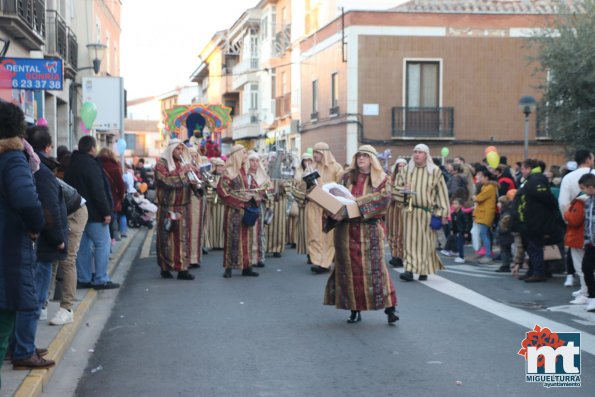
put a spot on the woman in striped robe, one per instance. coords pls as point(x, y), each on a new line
point(394, 218)
point(425, 180)
point(241, 241)
point(360, 279)
point(173, 198)
point(216, 208)
point(299, 195)
point(197, 217)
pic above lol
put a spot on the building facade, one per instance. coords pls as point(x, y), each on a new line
point(448, 77)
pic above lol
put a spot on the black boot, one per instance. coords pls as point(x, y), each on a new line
point(205, 252)
point(227, 273)
point(184, 275)
point(503, 269)
point(423, 277)
point(355, 317)
point(259, 264)
point(320, 269)
point(194, 266)
point(276, 255)
point(396, 262)
point(166, 274)
point(249, 272)
point(406, 276)
point(390, 313)
point(309, 262)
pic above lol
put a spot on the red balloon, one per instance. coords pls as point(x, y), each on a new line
point(490, 149)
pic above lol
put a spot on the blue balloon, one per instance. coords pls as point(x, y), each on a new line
point(121, 145)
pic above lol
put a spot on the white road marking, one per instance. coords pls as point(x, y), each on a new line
point(146, 251)
point(586, 318)
point(523, 318)
point(469, 273)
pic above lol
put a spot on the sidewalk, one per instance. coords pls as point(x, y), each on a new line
point(58, 338)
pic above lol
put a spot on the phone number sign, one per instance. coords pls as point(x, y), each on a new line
point(34, 74)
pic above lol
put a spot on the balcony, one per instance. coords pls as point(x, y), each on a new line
point(25, 21)
point(61, 42)
point(422, 122)
point(246, 126)
point(334, 111)
point(245, 73)
point(72, 60)
point(281, 41)
point(283, 106)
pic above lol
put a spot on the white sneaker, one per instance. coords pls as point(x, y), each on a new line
point(43, 315)
point(452, 253)
point(590, 305)
point(579, 292)
point(62, 317)
point(580, 300)
point(445, 252)
point(569, 281)
point(459, 260)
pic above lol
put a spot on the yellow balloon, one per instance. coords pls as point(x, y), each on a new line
point(493, 159)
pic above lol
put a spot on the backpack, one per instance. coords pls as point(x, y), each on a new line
point(72, 198)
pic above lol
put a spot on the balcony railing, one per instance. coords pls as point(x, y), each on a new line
point(282, 41)
point(422, 122)
point(24, 19)
point(57, 38)
point(314, 116)
point(73, 49)
point(334, 110)
point(283, 105)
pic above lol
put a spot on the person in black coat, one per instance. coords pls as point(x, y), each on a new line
point(51, 245)
point(21, 221)
point(86, 176)
point(536, 216)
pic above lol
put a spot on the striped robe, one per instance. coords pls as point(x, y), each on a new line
point(276, 230)
point(394, 225)
point(419, 239)
point(241, 243)
point(197, 220)
point(319, 244)
point(360, 279)
point(216, 210)
point(173, 194)
point(299, 194)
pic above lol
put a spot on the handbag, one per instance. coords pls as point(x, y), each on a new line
point(294, 209)
point(551, 253)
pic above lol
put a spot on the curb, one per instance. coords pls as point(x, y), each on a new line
point(32, 385)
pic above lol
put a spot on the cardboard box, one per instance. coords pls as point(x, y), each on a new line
point(331, 203)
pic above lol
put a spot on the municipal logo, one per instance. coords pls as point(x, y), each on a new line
point(552, 358)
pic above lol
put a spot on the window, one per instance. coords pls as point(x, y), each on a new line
point(423, 79)
point(264, 28)
point(253, 97)
point(314, 114)
point(283, 83)
point(334, 94)
point(273, 90)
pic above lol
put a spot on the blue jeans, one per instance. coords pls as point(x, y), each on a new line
point(26, 321)
point(460, 245)
point(95, 244)
point(123, 224)
point(486, 238)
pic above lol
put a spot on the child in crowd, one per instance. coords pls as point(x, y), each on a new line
point(587, 185)
point(505, 236)
point(461, 226)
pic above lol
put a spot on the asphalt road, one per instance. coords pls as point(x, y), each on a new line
point(271, 336)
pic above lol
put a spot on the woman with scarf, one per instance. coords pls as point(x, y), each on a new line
point(215, 208)
point(241, 241)
point(360, 279)
point(394, 218)
point(299, 194)
point(321, 250)
point(173, 193)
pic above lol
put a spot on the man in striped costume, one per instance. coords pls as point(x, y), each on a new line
point(430, 197)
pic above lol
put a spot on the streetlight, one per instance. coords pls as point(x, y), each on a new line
point(96, 50)
point(527, 104)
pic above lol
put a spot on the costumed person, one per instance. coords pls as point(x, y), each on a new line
point(360, 279)
point(258, 179)
point(216, 207)
point(197, 214)
point(429, 211)
point(320, 245)
point(394, 218)
point(299, 195)
point(276, 230)
point(174, 218)
point(242, 234)
point(195, 125)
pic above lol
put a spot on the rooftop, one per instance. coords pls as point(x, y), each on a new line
point(483, 6)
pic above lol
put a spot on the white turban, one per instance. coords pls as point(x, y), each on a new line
point(430, 166)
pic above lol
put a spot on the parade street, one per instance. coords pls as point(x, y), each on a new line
point(458, 335)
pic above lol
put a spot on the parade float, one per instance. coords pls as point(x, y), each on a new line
point(198, 125)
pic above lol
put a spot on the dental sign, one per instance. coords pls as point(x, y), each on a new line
point(34, 74)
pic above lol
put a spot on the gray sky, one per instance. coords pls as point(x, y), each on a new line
point(161, 40)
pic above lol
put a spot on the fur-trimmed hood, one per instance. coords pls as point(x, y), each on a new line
point(11, 144)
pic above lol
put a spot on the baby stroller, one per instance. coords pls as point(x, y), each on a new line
point(135, 215)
